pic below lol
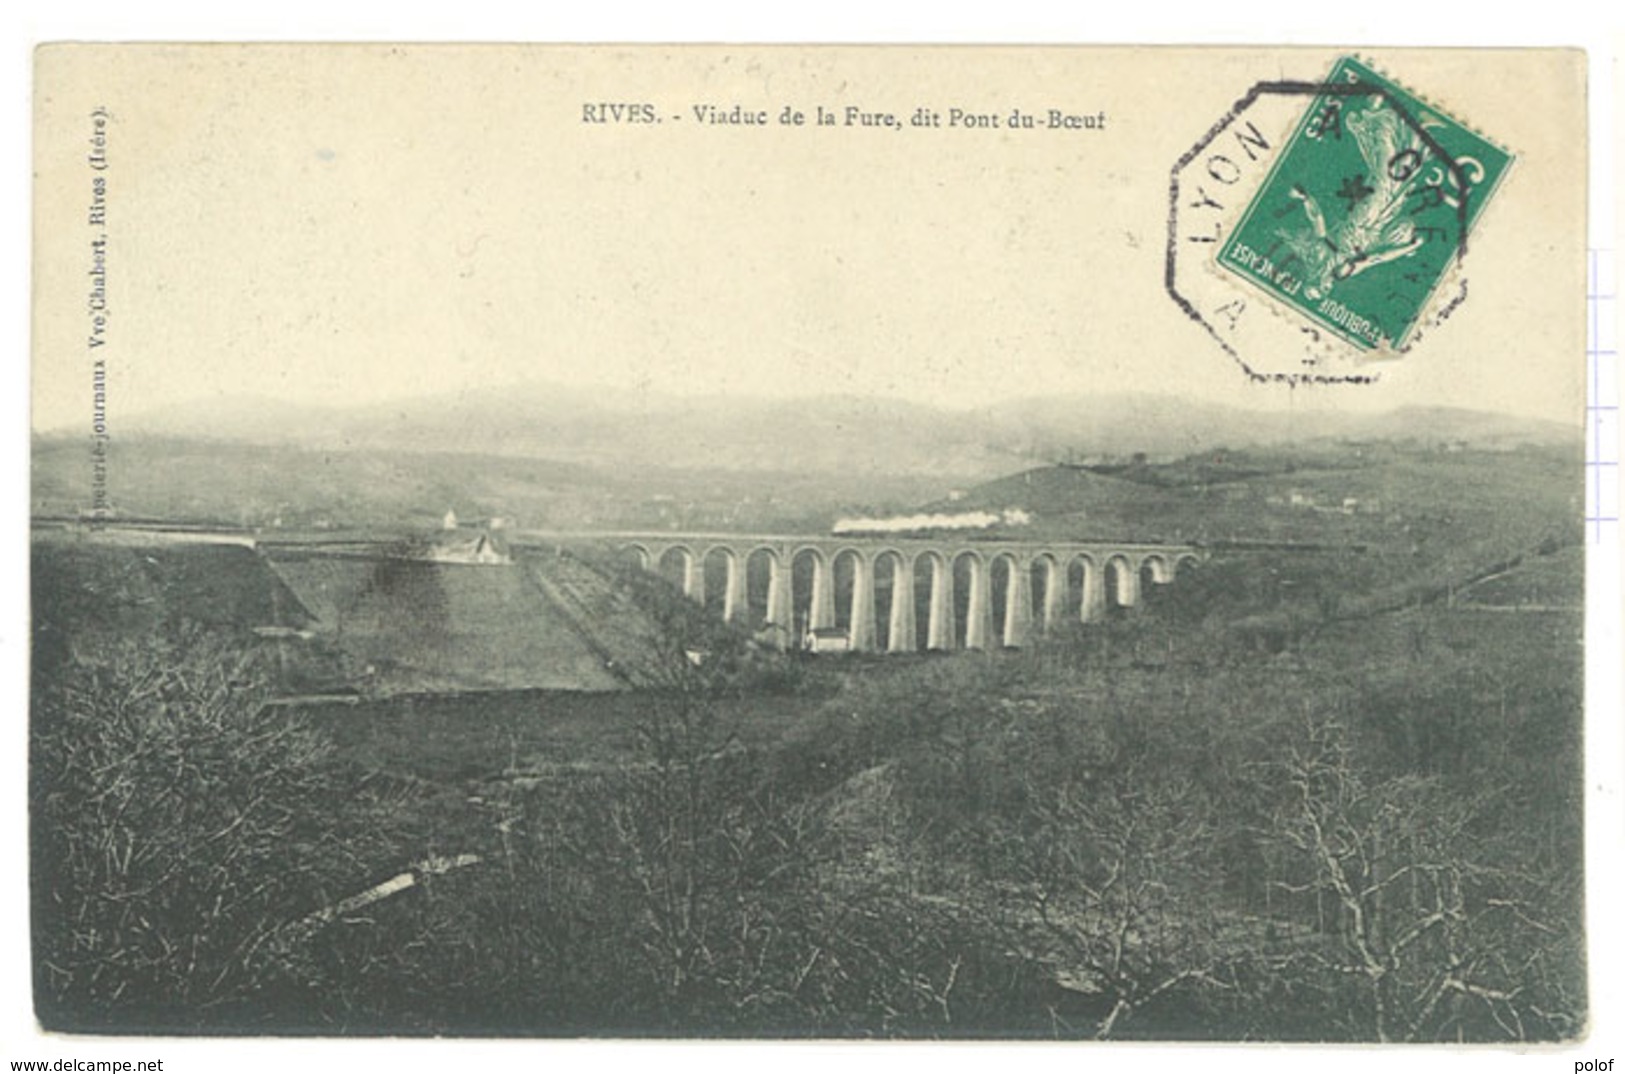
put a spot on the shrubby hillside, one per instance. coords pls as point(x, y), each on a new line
point(1326, 786)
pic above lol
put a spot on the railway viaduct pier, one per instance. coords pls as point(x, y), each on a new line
point(1039, 584)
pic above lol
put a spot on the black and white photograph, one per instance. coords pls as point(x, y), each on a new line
point(809, 543)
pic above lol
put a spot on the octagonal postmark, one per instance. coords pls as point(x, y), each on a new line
point(1318, 229)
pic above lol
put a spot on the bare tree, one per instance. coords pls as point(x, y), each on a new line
point(1426, 937)
point(1116, 875)
point(165, 798)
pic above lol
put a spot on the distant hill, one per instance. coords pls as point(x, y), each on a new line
point(821, 434)
point(298, 487)
point(550, 456)
point(1435, 425)
point(817, 434)
point(1491, 502)
point(1069, 501)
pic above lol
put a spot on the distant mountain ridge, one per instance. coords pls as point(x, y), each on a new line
point(828, 433)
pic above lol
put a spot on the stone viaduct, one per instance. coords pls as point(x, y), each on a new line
point(1036, 579)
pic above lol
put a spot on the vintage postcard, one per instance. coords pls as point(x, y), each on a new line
point(818, 542)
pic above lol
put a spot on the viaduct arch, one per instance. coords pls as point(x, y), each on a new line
point(1037, 591)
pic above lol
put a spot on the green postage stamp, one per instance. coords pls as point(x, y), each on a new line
point(1366, 210)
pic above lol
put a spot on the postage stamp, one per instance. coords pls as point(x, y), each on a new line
point(1366, 209)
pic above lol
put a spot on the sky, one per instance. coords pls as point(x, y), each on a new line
point(368, 223)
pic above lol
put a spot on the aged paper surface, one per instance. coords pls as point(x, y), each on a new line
point(728, 541)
